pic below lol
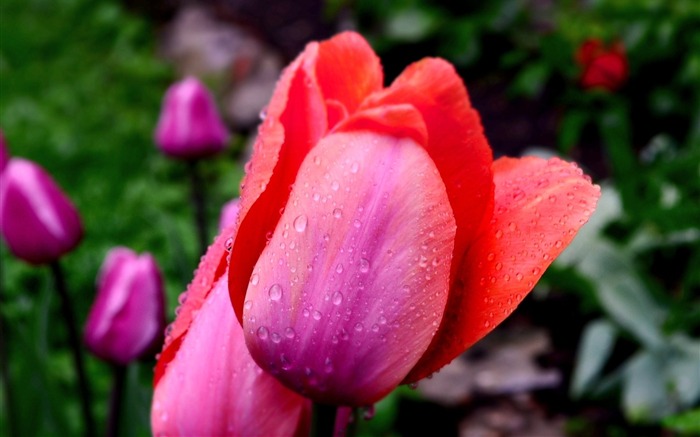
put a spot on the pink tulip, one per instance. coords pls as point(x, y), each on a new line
point(229, 213)
point(189, 126)
point(127, 318)
point(38, 221)
point(206, 381)
point(377, 239)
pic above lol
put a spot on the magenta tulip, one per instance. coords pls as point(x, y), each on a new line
point(206, 381)
point(127, 318)
point(38, 221)
point(189, 126)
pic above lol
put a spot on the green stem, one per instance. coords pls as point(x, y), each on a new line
point(198, 198)
point(76, 350)
point(116, 400)
point(5, 375)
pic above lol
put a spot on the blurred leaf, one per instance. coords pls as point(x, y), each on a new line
point(686, 423)
point(570, 129)
point(531, 80)
point(644, 392)
point(410, 25)
point(594, 349)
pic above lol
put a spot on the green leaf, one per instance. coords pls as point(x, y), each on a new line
point(595, 348)
point(570, 129)
point(644, 396)
point(686, 423)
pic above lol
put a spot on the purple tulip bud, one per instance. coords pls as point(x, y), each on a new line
point(229, 213)
point(38, 221)
point(4, 153)
point(189, 126)
point(127, 318)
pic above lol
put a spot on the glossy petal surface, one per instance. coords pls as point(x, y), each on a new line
point(352, 285)
point(38, 221)
point(214, 387)
point(539, 207)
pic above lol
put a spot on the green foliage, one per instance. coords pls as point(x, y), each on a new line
point(80, 92)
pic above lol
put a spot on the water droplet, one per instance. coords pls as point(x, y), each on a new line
point(317, 315)
point(545, 256)
point(328, 365)
point(535, 270)
point(228, 244)
point(262, 333)
point(423, 262)
point(275, 292)
point(339, 268)
point(248, 304)
point(558, 243)
point(290, 333)
point(300, 223)
point(317, 160)
point(382, 320)
point(499, 234)
point(354, 167)
point(519, 276)
point(305, 312)
point(506, 277)
point(490, 256)
point(255, 279)
point(487, 324)
point(359, 327)
point(357, 223)
point(182, 298)
point(552, 198)
point(375, 328)
point(275, 337)
point(335, 185)
point(337, 213)
point(337, 298)
point(369, 412)
point(364, 265)
point(512, 226)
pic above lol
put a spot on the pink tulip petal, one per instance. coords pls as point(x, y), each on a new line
point(214, 387)
point(539, 207)
point(456, 140)
point(212, 267)
point(354, 281)
point(395, 120)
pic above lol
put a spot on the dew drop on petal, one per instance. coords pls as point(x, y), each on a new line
point(275, 292)
point(364, 265)
point(248, 304)
point(354, 167)
point(337, 298)
point(262, 333)
point(300, 223)
point(357, 223)
point(255, 279)
point(290, 333)
point(359, 327)
point(317, 315)
point(335, 186)
point(228, 244)
point(337, 213)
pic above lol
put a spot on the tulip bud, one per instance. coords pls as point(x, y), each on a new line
point(189, 126)
point(4, 154)
point(602, 66)
point(229, 213)
point(38, 221)
point(127, 318)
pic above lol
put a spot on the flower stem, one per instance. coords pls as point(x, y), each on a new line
point(323, 420)
point(199, 204)
point(5, 375)
point(76, 350)
point(116, 400)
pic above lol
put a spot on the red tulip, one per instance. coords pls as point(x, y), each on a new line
point(127, 318)
point(602, 67)
point(189, 126)
point(39, 223)
point(206, 382)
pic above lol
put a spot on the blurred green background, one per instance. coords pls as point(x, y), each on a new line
point(80, 90)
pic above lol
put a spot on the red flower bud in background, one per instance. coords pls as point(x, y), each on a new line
point(206, 382)
point(189, 126)
point(229, 213)
point(602, 67)
point(4, 153)
point(38, 221)
point(127, 318)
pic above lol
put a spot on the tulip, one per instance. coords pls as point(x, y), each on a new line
point(38, 221)
point(602, 67)
point(4, 153)
point(229, 213)
point(206, 382)
point(128, 316)
point(400, 242)
point(189, 126)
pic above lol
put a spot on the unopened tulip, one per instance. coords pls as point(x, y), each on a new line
point(189, 126)
point(37, 220)
point(127, 318)
point(378, 239)
point(602, 66)
point(229, 213)
point(206, 382)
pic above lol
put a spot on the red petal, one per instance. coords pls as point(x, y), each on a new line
point(296, 120)
point(348, 70)
point(400, 121)
point(359, 266)
point(539, 207)
point(456, 141)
